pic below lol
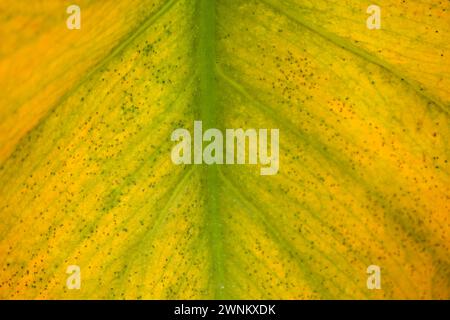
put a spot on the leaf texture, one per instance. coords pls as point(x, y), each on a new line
point(87, 179)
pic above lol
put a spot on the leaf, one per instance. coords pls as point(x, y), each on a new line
point(85, 146)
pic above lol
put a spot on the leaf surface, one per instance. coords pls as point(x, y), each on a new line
point(87, 177)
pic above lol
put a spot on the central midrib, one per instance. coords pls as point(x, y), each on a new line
point(206, 56)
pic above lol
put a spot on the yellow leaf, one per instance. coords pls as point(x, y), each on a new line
point(86, 118)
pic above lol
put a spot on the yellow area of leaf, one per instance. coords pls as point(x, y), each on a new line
point(41, 61)
point(411, 43)
point(87, 177)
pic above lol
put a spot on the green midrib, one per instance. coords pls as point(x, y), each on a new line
point(208, 113)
